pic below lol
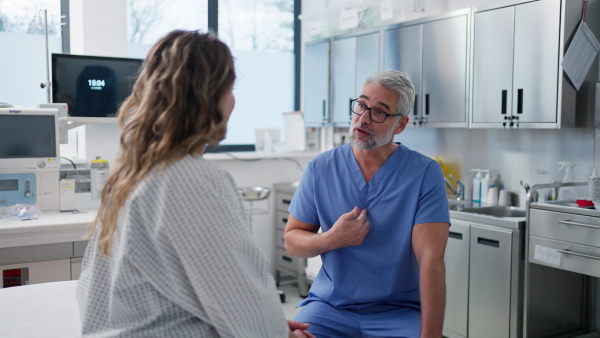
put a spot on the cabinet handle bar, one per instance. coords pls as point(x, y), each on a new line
point(569, 252)
point(580, 224)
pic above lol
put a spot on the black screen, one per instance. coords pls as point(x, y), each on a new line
point(24, 136)
point(92, 86)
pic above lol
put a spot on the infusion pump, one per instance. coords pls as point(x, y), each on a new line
point(29, 157)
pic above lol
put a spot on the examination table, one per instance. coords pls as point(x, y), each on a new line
point(40, 310)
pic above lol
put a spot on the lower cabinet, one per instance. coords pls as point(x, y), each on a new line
point(484, 281)
point(34, 264)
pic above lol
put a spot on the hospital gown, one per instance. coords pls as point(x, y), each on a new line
point(183, 263)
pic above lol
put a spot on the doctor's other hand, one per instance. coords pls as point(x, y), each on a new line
point(350, 229)
point(298, 329)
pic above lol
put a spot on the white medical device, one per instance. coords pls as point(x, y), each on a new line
point(29, 157)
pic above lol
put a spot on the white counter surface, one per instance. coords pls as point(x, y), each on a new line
point(53, 227)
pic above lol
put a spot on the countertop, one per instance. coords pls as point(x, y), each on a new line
point(53, 227)
point(565, 206)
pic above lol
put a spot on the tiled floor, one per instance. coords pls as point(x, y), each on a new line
point(291, 299)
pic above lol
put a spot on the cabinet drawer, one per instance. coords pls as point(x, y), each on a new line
point(280, 242)
point(564, 255)
point(284, 200)
point(287, 261)
point(565, 227)
point(282, 218)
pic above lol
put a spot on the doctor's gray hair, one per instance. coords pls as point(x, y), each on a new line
point(398, 82)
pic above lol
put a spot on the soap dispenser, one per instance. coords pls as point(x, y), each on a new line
point(485, 185)
point(594, 185)
point(477, 186)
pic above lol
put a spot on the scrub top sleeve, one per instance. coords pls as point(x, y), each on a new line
point(303, 206)
point(227, 271)
point(433, 202)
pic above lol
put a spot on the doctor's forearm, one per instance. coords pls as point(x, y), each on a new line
point(433, 298)
point(306, 244)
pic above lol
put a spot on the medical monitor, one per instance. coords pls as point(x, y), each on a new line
point(29, 139)
point(92, 86)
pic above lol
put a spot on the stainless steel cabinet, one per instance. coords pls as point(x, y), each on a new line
point(457, 280)
point(515, 64)
point(490, 282)
point(518, 79)
point(484, 279)
point(286, 264)
point(316, 83)
point(402, 51)
point(354, 58)
point(433, 52)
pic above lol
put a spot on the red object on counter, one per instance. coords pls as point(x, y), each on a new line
point(585, 203)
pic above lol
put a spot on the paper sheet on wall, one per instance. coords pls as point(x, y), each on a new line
point(386, 10)
point(547, 255)
point(349, 18)
point(580, 54)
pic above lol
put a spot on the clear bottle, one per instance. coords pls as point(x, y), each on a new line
point(486, 182)
point(477, 186)
point(594, 185)
point(567, 193)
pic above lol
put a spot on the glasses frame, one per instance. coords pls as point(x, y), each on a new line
point(370, 109)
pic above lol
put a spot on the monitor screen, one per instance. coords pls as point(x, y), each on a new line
point(92, 86)
point(26, 136)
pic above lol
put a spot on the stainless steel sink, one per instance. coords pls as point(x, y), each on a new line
point(496, 211)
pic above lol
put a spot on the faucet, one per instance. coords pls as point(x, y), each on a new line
point(532, 197)
point(460, 188)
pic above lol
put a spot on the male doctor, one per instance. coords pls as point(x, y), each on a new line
point(383, 212)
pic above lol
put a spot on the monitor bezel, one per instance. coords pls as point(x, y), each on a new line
point(34, 163)
point(56, 56)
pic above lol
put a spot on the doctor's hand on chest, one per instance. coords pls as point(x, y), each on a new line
point(349, 230)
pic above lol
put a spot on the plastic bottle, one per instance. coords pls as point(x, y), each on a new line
point(594, 185)
point(486, 182)
point(268, 142)
point(567, 193)
point(477, 186)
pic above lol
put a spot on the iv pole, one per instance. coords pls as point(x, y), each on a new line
point(47, 84)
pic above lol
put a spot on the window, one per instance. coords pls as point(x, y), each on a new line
point(149, 20)
point(23, 69)
point(260, 34)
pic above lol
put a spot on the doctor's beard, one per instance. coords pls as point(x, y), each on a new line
point(372, 143)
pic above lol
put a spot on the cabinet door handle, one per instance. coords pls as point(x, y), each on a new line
point(286, 258)
point(285, 220)
point(416, 106)
point(579, 224)
point(520, 101)
point(488, 242)
point(350, 110)
point(569, 252)
point(324, 111)
point(426, 104)
point(286, 201)
point(456, 235)
point(504, 102)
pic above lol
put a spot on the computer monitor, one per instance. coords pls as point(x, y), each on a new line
point(92, 86)
point(29, 139)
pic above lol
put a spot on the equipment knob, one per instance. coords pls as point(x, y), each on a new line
point(41, 164)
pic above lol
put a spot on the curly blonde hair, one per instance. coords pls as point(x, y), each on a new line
point(173, 111)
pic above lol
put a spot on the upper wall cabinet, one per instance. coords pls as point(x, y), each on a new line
point(355, 57)
point(518, 81)
point(316, 83)
point(433, 53)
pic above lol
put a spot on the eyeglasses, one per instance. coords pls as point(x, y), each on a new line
point(376, 115)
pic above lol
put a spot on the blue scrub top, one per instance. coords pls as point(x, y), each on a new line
point(408, 189)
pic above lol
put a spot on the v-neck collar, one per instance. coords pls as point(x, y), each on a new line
point(357, 174)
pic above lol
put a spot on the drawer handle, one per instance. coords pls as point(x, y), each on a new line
point(285, 220)
point(286, 258)
point(489, 242)
point(569, 252)
point(286, 201)
point(456, 235)
point(579, 224)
